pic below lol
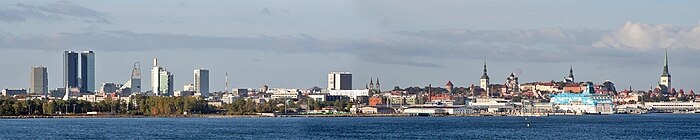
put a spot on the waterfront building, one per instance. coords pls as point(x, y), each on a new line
point(437, 109)
point(339, 81)
point(284, 93)
point(87, 71)
point(161, 80)
point(353, 94)
point(39, 81)
point(70, 69)
point(201, 82)
point(586, 102)
point(12, 92)
point(665, 79)
point(485, 81)
point(376, 110)
point(673, 107)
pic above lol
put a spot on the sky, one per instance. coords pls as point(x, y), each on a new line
point(295, 44)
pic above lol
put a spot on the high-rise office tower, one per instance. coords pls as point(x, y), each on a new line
point(166, 84)
point(339, 81)
point(87, 71)
point(161, 80)
point(155, 77)
point(201, 82)
point(39, 81)
point(135, 80)
point(70, 69)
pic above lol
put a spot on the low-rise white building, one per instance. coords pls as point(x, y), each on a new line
point(284, 93)
point(353, 94)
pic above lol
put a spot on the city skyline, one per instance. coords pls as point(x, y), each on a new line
point(622, 46)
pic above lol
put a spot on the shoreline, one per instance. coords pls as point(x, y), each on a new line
point(290, 115)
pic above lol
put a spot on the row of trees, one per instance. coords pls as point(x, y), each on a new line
point(139, 105)
point(246, 107)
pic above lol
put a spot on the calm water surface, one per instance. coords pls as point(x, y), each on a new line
point(648, 126)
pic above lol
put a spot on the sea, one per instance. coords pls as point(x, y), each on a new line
point(644, 126)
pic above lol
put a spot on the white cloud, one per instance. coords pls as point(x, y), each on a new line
point(21, 12)
point(645, 37)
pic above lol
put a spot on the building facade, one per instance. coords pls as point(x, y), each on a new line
point(339, 81)
point(161, 80)
point(87, 71)
point(70, 69)
point(39, 81)
point(201, 82)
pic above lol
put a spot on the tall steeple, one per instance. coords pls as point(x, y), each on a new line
point(665, 73)
point(484, 82)
point(570, 78)
point(485, 76)
point(665, 79)
point(377, 85)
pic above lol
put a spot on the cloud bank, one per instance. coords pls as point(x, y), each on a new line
point(405, 47)
point(59, 10)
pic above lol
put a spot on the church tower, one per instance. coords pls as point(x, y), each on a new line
point(665, 79)
point(570, 78)
point(485, 81)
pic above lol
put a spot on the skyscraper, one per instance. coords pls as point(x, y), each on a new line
point(166, 83)
point(201, 82)
point(665, 79)
point(39, 81)
point(161, 80)
point(70, 69)
point(339, 81)
point(155, 77)
point(136, 78)
point(87, 71)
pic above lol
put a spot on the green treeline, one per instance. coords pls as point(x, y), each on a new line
point(156, 105)
point(139, 105)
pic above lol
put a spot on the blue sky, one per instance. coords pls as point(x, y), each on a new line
point(404, 43)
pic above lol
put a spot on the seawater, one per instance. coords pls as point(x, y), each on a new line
point(645, 126)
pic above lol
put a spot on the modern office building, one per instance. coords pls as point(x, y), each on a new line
point(87, 71)
point(161, 80)
point(201, 82)
point(39, 81)
point(166, 84)
point(70, 69)
point(339, 81)
point(135, 81)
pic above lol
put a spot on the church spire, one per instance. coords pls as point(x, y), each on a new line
point(570, 78)
point(485, 76)
point(665, 73)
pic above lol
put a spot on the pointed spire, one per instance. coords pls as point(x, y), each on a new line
point(485, 76)
point(665, 73)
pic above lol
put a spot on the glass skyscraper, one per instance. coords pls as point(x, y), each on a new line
point(70, 69)
point(87, 71)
